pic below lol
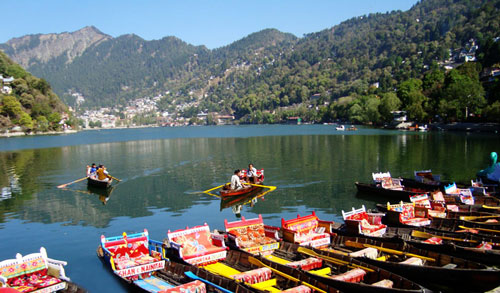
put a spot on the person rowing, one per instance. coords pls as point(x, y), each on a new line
point(235, 180)
point(102, 174)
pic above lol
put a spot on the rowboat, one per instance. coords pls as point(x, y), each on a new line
point(433, 270)
point(342, 272)
point(226, 190)
point(136, 260)
point(99, 183)
point(465, 245)
point(177, 273)
point(211, 254)
point(35, 272)
point(376, 190)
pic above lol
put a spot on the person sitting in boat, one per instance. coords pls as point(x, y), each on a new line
point(91, 171)
point(235, 181)
point(102, 173)
point(251, 174)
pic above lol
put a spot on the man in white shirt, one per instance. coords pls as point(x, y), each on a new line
point(235, 181)
point(251, 174)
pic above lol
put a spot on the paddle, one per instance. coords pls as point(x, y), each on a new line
point(472, 218)
point(78, 180)
point(332, 260)
point(195, 277)
point(491, 207)
point(388, 250)
point(422, 234)
point(115, 178)
point(257, 262)
point(481, 229)
point(258, 185)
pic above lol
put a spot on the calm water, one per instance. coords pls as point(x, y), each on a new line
point(164, 169)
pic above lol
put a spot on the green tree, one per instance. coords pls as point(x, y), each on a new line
point(42, 124)
point(389, 102)
point(25, 121)
point(11, 107)
point(465, 92)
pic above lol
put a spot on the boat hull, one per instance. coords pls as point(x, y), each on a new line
point(467, 276)
point(98, 183)
point(403, 195)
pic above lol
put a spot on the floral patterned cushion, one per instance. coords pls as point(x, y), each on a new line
point(196, 243)
point(192, 287)
point(254, 276)
point(306, 264)
point(251, 236)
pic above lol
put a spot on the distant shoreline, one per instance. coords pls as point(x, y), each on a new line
point(17, 134)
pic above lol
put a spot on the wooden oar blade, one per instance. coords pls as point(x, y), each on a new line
point(78, 180)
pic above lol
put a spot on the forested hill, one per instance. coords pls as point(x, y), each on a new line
point(359, 70)
point(27, 101)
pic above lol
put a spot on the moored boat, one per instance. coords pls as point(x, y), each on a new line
point(342, 272)
point(36, 272)
point(198, 247)
point(433, 270)
point(136, 260)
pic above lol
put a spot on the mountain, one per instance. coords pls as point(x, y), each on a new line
point(32, 49)
point(27, 101)
point(345, 71)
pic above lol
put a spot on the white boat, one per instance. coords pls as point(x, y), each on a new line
point(340, 128)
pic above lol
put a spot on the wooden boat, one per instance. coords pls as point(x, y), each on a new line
point(136, 260)
point(212, 256)
point(433, 270)
point(36, 272)
point(377, 190)
point(99, 183)
point(469, 246)
point(178, 274)
point(226, 190)
point(342, 272)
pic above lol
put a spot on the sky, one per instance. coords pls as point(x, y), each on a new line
point(213, 23)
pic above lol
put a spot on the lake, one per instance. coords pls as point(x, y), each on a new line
point(163, 171)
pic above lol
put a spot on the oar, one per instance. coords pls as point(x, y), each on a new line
point(78, 180)
point(115, 178)
point(264, 186)
point(491, 207)
point(195, 277)
point(481, 229)
point(422, 234)
point(257, 262)
point(332, 260)
point(388, 250)
point(472, 218)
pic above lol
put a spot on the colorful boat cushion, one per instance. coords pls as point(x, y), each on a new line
point(299, 289)
point(421, 200)
point(384, 283)
point(196, 242)
point(352, 276)
point(251, 236)
point(254, 276)
point(305, 229)
point(191, 287)
point(407, 216)
point(306, 264)
point(414, 261)
point(368, 223)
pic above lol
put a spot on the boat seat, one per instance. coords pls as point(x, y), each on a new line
point(449, 266)
point(254, 276)
point(353, 276)
point(359, 221)
point(384, 283)
point(299, 289)
point(197, 245)
point(33, 273)
point(307, 231)
point(306, 264)
point(252, 235)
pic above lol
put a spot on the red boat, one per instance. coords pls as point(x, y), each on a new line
point(247, 187)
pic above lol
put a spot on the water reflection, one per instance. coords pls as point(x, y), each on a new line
point(313, 171)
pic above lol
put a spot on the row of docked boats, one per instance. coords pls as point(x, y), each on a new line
point(305, 254)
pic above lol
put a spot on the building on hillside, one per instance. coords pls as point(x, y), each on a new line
point(225, 119)
point(6, 90)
